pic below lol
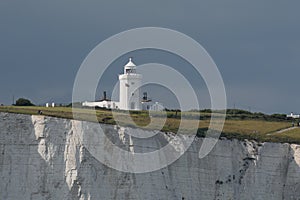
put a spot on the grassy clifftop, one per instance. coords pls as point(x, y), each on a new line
point(239, 124)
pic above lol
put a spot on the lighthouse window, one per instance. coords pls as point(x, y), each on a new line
point(126, 85)
point(132, 94)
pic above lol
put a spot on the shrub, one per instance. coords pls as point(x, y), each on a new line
point(24, 102)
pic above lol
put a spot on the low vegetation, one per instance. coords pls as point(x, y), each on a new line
point(239, 124)
point(24, 102)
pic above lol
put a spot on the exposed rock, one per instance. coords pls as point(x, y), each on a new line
point(44, 158)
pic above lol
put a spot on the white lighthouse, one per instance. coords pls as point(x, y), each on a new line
point(130, 83)
point(130, 94)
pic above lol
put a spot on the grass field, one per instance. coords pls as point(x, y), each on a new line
point(291, 136)
point(256, 129)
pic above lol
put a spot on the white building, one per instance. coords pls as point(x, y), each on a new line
point(292, 115)
point(102, 104)
point(130, 95)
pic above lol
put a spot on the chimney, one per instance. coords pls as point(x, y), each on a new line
point(104, 95)
point(145, 96)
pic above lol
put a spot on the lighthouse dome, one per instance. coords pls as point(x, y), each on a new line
point(130, 63)
point(129, 67)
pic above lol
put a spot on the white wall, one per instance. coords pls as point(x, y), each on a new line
point(103, 104)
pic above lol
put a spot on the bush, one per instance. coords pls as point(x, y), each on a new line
point(24, 102)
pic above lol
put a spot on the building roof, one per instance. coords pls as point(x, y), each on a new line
point(130, 63)
point(101, 100)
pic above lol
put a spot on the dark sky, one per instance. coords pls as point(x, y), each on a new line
point(255, 44)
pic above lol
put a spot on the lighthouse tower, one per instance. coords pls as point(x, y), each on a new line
point(130, 83)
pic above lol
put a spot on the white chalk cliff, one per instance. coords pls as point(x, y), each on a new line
point(44, 158)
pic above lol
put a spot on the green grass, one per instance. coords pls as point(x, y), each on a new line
point(248, 127)
point(291, 136)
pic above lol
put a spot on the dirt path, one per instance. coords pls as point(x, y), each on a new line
point(283, 130)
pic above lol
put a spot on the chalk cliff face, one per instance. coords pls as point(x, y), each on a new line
point(44, 158)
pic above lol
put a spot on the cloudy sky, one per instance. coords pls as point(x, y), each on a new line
point(255, 44)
